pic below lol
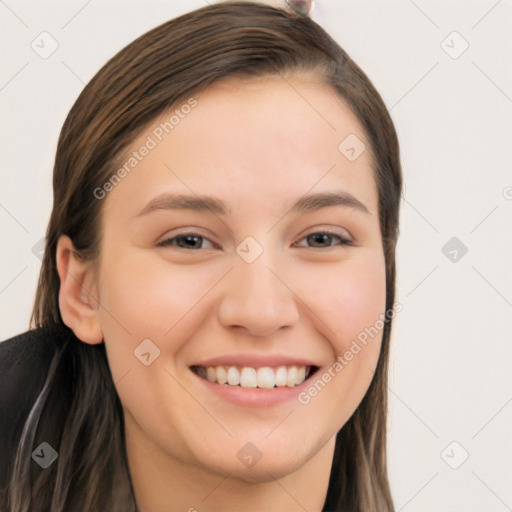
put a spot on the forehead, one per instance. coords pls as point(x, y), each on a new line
point(274, 137)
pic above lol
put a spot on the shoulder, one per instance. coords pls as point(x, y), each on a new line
point(27, 356)
point(33, 340)
point(24, 363)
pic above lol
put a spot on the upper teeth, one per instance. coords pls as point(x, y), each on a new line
point(248, 377)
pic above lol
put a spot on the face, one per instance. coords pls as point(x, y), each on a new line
point(247, 287)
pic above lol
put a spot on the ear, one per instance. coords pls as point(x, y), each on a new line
point(77, 294)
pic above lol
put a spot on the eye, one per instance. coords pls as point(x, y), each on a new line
point(193, 240)
point(322, 237)
point(185, 241)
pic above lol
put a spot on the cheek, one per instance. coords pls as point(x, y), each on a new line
point(361, 301)
point(141, 299)
point(148, 298)
point(349, 300)
point(353, 305)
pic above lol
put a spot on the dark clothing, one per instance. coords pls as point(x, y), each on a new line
point(24, 364)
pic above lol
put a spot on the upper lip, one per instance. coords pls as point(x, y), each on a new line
point(254, 361)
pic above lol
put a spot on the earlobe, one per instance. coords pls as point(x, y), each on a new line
point(77, 296)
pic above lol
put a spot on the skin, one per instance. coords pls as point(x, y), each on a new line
point(258, 145)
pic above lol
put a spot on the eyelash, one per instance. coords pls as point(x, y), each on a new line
point(343, 241)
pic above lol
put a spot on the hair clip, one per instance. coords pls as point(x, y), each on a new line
point(300, 8)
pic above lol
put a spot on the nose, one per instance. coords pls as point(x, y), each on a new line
point(258, 298)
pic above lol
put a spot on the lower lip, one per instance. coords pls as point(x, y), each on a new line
point(255, 397)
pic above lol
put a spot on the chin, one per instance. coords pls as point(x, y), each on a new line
point(265, 472)
point(266, 469)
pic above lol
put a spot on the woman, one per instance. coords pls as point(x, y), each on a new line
point(213, 315)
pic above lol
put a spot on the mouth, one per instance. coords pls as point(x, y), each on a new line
point(262, 377)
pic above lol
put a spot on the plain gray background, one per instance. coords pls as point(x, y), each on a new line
point(450, 385)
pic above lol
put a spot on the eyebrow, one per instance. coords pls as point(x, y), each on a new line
point(306, 203)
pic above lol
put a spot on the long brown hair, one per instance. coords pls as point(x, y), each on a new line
point(157, 71)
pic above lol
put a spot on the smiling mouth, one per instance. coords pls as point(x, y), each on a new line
point(265, 377)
